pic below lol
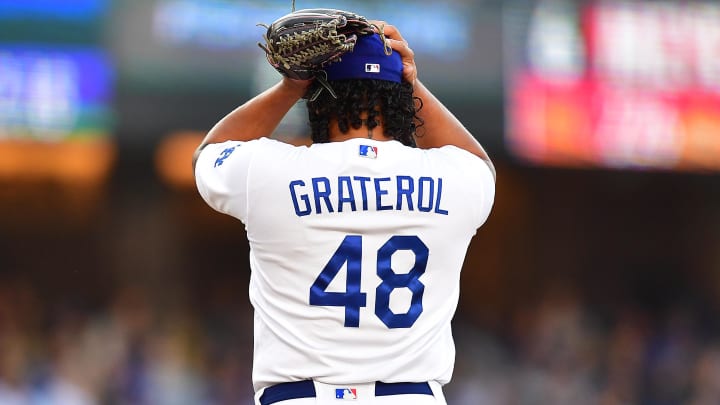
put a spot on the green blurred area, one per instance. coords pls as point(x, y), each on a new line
point(55, 32)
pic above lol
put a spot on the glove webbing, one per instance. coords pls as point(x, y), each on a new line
point(288, 50)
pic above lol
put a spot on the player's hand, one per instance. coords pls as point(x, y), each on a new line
point(399, 44)
point(296, 86)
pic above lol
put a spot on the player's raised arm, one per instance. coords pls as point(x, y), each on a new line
point(441, 127)
point(258, 117)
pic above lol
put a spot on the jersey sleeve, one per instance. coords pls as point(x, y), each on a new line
point(481, 182)
point(486, 181)
point(221, 176)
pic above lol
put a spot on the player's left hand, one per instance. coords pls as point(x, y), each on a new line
point(399, 44)
point(299, 86)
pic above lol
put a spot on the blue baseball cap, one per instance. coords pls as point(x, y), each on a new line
point(367, 60)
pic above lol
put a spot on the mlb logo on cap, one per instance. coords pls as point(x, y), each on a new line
point(372, 68)
point(345, 393)
point(368, 60)
point(368, 151)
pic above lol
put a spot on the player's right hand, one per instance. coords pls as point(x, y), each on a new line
point(399, 44)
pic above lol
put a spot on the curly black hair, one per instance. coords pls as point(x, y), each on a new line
point(394, 102)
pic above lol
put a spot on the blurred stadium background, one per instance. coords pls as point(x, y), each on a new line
point(596, 279)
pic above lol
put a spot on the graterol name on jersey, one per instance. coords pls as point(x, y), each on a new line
point(321, 195)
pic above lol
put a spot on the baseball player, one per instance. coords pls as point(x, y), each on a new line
point(357, 241)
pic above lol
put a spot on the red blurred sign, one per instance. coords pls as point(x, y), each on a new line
point(644, 93)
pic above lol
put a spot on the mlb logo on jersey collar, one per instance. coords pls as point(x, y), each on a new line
point(346, 393)
point(368, 151)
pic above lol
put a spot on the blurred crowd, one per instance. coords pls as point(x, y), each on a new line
point(559, 351)
point(135, 351)
point(131, 351)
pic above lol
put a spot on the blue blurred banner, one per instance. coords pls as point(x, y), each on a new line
point(222, 24)
point(212, 44)
point(52, 9)
point(54, 92)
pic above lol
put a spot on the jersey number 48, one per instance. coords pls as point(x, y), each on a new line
point(350, 252)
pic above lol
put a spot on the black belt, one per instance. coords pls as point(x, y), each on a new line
point(306, 389)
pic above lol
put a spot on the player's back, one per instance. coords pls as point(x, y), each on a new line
point(356, 250)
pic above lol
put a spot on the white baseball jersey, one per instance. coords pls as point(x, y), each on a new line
point(355, 253)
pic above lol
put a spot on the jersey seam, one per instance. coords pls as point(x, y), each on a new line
point(247, 183)
point(480, 216)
